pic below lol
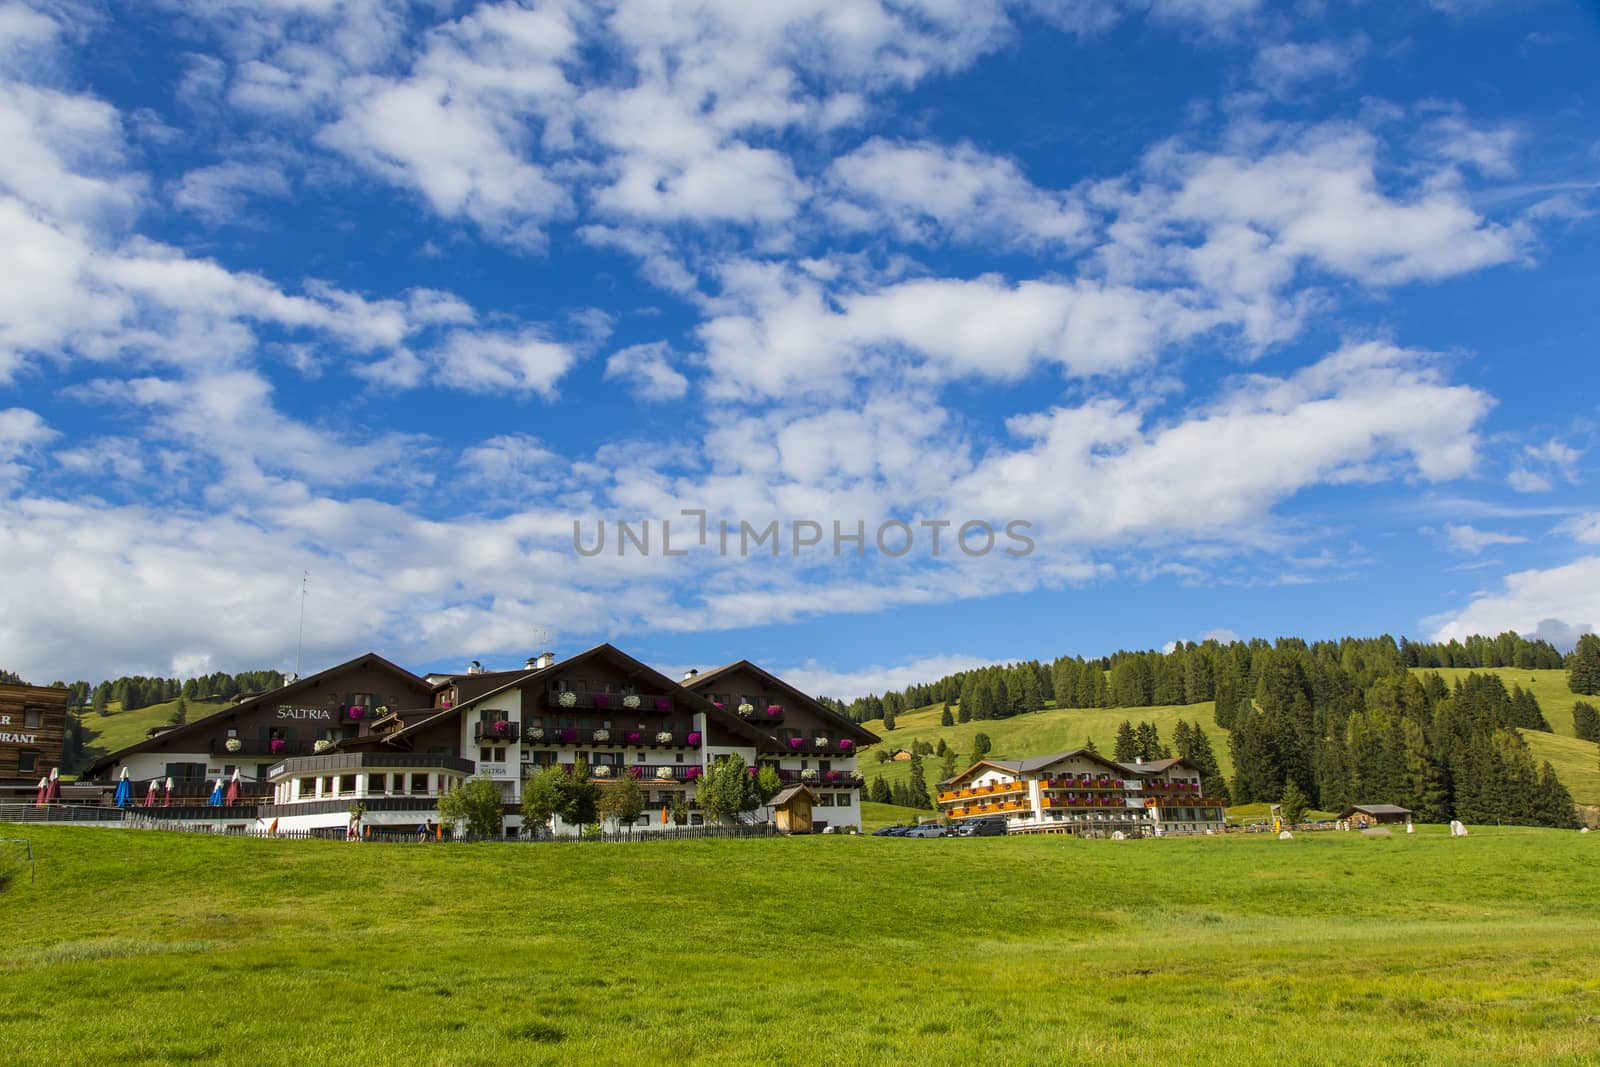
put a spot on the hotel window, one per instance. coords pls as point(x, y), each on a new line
point(499, 755)
point(484, 755)
point(377, 784)
point(419, 783)
point(398, 786)
point(680, 757)
point(347, 784)
point(27, 761)
point(362, 700)
point(233, 731)
point(825, 800)
point(31, 718)
point(824, 765)
point(327, 787)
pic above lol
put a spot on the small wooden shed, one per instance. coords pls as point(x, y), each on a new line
point(791, 809)
point(1361, 816)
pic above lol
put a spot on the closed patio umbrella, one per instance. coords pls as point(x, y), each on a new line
point(124, 790)
point(150, 796)
point(167, 801)
point(233, 789)
point(44, 791)
point(216, 794)
point(54, 792)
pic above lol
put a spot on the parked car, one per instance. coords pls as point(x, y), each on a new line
point(927, 829)
point(981, 828)
point(892, 831)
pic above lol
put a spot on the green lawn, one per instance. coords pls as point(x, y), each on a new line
point(104, 734)
point(142, 947)
point(876, 816)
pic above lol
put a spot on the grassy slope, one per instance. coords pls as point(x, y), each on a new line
point(1332, 949)
point(1042, 732)
point(1577, 763)
point(874, 816)
point(105, 734)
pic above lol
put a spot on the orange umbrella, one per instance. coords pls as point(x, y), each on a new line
point(663, 815)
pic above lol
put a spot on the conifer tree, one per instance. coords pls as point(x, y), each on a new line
point(1583, 666)
point(945, 718)
point(1127, 747)
point(1585, 722)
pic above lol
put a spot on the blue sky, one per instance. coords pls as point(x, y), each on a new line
point(1270, 319)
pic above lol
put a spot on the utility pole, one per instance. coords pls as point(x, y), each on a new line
point(300, 640)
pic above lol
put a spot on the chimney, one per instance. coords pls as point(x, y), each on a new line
point(541, 661)
point(474, 667)
point(1138, 759)
point(689, 674)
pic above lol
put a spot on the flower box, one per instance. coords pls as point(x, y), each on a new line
point(567, 737)
point(830, 776)
point(635, 736)
point(808, 775)
point(693, 740)
point(692, 773)
point(234, 744)
point(600, 771)
point(503, 726)
point(536, 734)
point(277, 744)
point(820, 742)
point(845, 744)
point(745, 710)
point(601, 736)
point(664, 773)
point(630, 701)
point(380, 711)
point(663, 738)
point(774, 711)
point(322, 746)
point(601, 700)
point(797, 743)
point(568, 699)
point(663, 703)
point(356, 712)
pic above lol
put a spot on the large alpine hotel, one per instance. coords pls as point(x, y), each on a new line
point(371, 733)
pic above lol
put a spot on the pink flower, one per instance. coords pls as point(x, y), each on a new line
point(663, 704)
point(277, 745)
point(692, 773)
point(797, 742)
point(847, 744)
point(774, 710)
point(693, 740)
point(601, 700)
point(634, 737)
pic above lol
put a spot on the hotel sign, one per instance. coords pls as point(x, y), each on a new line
point(314, 714)
point(7, 737)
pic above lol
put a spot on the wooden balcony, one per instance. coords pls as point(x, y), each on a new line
point(502, 732)
point(1085, 784)
point(599, 737)
point(984, 791)
point(652, 703)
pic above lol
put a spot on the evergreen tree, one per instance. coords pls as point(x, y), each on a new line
point(920, 797)
point(1553, 805)
point(1127, 747)
point(180, 713)
point(1585, 722)
point(945, 718)
point(1292, 806)
point(980, 746)
point(880, 792)
point(888, 720)
point(1089, 746)
point(1583, 666)
point(948, 770)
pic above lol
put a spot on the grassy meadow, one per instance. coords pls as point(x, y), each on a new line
point(1334, 948)
point(104, 734)
point(1577, 763)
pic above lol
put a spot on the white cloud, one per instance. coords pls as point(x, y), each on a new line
point(21, 433)
point(219, 193)
point(1280, 68)
point(1561, 600)
point(513, 466)
point(481, 361)
point(1583, 528)
point(926, 191)
point(649, 371)
point(1525, 481)
point(816, 679)
point(1472, 541)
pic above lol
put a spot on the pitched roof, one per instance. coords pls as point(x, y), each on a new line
point(789, 794)
point(1378, 809)
point(661, 681)
point(310, 681)
point(862, 734)
point(1034, 764)
point(1156, 766)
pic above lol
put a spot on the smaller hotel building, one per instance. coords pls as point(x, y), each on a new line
point(1084, 794)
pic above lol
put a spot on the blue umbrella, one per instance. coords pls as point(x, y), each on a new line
point(124, 791)
point(216, 794)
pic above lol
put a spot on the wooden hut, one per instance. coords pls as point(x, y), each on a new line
point(791, 809)
point(1361, 816)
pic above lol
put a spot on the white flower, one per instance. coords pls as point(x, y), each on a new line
point(322, 746)
point(234, 744)
point(664, 772)
point(663, 738)
point(808, 776)
point(568, 700)
point(630, 701)
point(821, 742)
point(747, 709)
point(537, 733)
point(601, 771)
point(602, 735)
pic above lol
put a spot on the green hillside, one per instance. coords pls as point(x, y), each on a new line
point(1335, 949)
point(1577, 763)
point(104, 734)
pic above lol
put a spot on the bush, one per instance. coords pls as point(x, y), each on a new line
point(474, 804)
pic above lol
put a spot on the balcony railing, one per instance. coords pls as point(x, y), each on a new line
point(981, 791)
point(603, 737)
point(1085, 783)
point(1188, 800)
point(824, 779)
point(254, 746)
point(648, 702)
point(503, 731)
point(759, 713)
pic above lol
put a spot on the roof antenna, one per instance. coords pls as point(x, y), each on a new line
point(299, 643)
